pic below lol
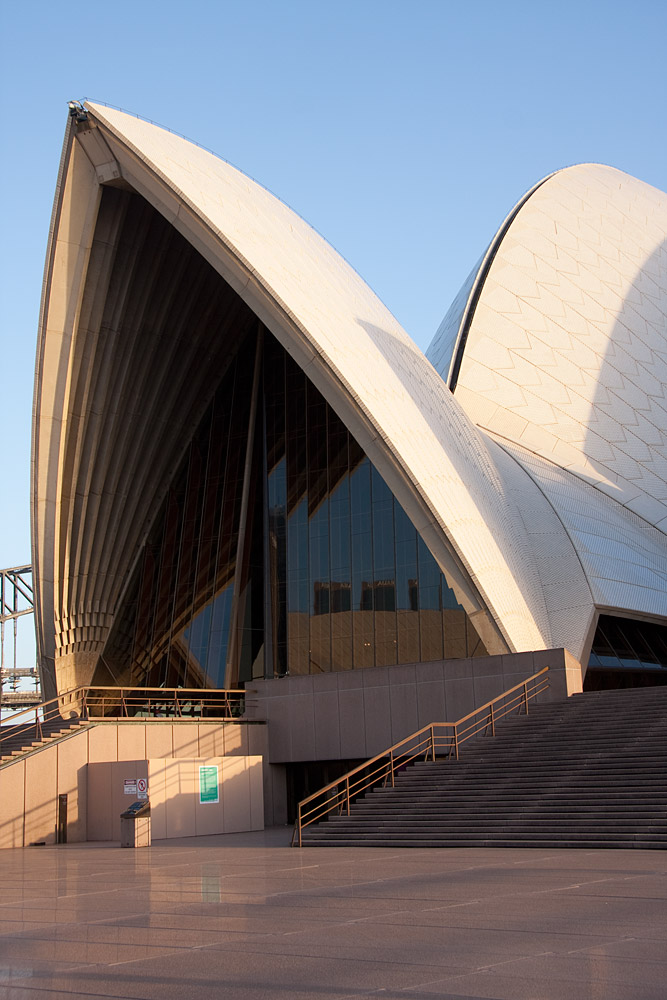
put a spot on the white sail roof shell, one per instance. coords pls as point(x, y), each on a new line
point(345, 339)
point(482, 508)
point(564, 362)
point(354, 351)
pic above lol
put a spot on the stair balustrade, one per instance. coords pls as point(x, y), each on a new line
point(438, 739)
point(589, 771)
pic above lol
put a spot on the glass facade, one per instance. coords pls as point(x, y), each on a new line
point(279, 549)
point(626, 646)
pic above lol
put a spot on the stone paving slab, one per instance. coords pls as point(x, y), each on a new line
point(243, 917)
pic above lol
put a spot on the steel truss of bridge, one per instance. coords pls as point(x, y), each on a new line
point(16, 600)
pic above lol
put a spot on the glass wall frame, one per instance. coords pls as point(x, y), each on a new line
point(332, 573)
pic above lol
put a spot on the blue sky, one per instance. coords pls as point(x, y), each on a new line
point(404, 132)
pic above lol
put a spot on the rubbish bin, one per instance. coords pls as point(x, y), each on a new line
point(135, 825)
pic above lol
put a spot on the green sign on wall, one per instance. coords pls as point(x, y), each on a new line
point(208, 783)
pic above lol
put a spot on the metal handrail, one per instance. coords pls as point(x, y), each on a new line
point(179, 703)
point(438, 739)
point(46, 711)
point(95, 703)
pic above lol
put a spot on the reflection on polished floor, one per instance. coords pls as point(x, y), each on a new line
point(244, 917)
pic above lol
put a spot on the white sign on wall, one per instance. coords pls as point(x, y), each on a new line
point(130, 786)
point(142, 788)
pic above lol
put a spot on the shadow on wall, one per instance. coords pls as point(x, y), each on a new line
point(465, 440)
point(31, 785)
point(177, 805)
point(189, 797)
point(473, 465)
point(631, 396)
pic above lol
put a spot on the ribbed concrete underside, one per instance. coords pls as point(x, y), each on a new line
point(158, 327)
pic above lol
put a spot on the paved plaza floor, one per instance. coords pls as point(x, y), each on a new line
point(245, 917)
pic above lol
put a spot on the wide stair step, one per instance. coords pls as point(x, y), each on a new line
point(16, 744)
point(590, 771)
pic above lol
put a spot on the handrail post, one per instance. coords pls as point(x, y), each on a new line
point(456, 739)
point(493, 723)
point(297, 830)
point(433, 744)
point(347, 790)
point(391, 768)
point(525, 694)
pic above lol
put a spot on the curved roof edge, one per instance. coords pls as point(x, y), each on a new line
point(480, 272)
point(565, 350)
point(43, 593)
point(362, 361)
point(623, 559)
point(551, 555)
point(347, 342)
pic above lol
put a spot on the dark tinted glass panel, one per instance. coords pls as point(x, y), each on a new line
point(183, 602)
point(275, 511)
point(624, 643)
point(361, 540)
point(280, 549)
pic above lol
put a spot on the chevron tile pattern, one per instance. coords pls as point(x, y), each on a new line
point(562, 342)
point(567, 350)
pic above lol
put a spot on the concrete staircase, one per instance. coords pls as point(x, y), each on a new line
point(20, 740)
point(590, 771)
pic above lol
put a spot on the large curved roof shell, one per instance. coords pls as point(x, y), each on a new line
point(561, 355)
point(110, 416)
point(566, 350)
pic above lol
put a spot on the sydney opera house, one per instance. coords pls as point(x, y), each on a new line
point(245, 473)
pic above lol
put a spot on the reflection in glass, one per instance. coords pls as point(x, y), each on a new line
point(624, 643)
point(327, 572)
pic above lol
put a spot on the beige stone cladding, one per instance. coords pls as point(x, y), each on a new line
point(30, 786)
point(173, 787)
point(356, 714)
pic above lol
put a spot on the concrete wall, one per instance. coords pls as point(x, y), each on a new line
point(173, 790)
point(338, 716)
point(29, 787)
point(359, 713)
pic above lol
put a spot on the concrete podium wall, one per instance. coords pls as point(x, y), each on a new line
point(359, 713)
point(173, 793)
point(30, 786)
point(353, 714)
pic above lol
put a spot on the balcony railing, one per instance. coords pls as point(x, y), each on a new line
point(88, 704)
